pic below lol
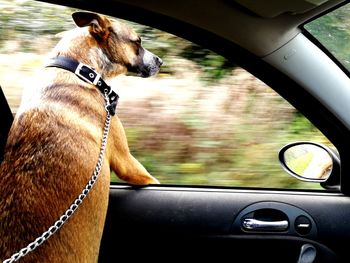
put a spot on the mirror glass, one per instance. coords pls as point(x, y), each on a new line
point(308, 161)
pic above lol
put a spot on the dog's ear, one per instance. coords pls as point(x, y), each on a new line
point(98, 25)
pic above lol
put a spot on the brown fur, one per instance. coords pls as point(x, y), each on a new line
point(54, 143)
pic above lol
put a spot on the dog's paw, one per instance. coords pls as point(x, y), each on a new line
point(149, 180)
point(155, 181)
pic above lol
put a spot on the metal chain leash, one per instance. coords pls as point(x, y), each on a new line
point(77, 202)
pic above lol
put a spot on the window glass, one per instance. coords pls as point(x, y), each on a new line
point(333, 32)
point(201, 121)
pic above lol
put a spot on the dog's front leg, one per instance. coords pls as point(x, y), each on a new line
point(126, 166)
point(133, 172)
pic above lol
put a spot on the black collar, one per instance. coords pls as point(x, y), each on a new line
point(89, 75)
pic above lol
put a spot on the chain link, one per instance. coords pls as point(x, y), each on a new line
point(77, 202)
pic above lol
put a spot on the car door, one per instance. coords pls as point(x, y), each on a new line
point(7, 119)
point(291, 223)
point(210, 127)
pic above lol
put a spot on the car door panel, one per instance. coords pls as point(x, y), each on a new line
point(199, 223)
point(6, 121)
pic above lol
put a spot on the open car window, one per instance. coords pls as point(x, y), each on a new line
point(203, 120)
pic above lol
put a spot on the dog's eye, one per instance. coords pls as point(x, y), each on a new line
point(137, 41)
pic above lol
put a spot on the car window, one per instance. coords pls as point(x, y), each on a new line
point(203, 120)
point(333, 32)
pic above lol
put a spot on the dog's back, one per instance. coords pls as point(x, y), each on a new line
point(51, 153)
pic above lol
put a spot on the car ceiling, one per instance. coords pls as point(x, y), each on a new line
point(274, 8)
point(261, 27)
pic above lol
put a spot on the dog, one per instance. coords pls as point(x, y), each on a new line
point(55, 140)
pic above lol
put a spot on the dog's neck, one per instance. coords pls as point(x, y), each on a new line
point(89, 75)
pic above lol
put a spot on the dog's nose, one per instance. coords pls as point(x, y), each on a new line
point(159, 61)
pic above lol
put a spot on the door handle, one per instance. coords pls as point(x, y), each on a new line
point(307, 254)
point(252, 224)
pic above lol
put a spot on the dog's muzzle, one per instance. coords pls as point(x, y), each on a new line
point(147, 64)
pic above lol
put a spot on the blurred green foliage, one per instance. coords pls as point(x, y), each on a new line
point(21, 20)
point(225, 129)
point(214, 67)
point(333, 31)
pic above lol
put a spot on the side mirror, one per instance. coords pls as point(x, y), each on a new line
point(311, 162)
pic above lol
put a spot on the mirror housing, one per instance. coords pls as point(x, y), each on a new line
point(311, 162)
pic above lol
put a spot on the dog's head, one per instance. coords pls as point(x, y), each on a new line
point(111, 47)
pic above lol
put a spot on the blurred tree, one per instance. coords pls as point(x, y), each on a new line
point(21, 20)
point(213, 66)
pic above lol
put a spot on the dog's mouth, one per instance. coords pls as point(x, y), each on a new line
point(149, 71)
point(146, 70)
point(147, 64)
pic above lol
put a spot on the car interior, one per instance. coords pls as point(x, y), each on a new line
point(7, 119)
point(235, 223)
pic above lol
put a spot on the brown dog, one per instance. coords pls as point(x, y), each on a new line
point(54, 144)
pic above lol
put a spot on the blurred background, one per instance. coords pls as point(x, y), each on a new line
point(201, 121)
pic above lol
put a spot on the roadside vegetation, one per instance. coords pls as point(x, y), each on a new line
point(201, 120)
